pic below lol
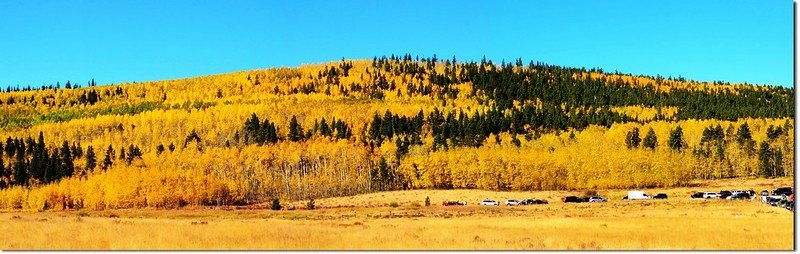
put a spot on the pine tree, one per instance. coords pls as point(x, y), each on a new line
point(109, 159)
point(91, 159)
point(122, 153)
point(676, 139)
point(4, 175)
point(632, 139)
point(67, 165)
point(650, 140)
point(295, 130)
point(21, 176)
point(765, 160)
point(744, 135)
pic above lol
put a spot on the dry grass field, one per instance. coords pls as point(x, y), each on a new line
point(367, 222)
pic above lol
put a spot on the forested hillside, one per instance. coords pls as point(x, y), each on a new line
point(356, 126)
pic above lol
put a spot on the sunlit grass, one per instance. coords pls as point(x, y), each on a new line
point(675, 223)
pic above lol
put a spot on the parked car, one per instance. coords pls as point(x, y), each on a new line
point(512, 202)
point(637, 194)
point(572, 199)
point(725, 194)
point(489, 202)
point(597, 199)
point(660, 196)
point(782, 191)
point(740, 195)
point(698, 195)
point(765, 193)
point(752, 193)
point(790, 206)
point(533, 202)
point(771, 201)
point(453, 203)
point(540, 202)
point(708, 195)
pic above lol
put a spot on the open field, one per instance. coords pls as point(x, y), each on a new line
point(676, 223)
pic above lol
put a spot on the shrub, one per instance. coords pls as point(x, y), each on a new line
point(310, 205)
point(590, 193)
point(276, 204)
point(393, 204)
point(427, 201)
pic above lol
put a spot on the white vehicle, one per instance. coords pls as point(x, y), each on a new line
point(637, 194)
point(490, 202)
point(597, 199)
point(512, 202)
point(710, 195)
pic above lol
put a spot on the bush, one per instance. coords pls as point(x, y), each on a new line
point(276, 204)
point(427, 201)
point(393, 204)
point(590, 193)
point(310, 205)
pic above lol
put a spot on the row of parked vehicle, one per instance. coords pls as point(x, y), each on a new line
point(514, 202)
point(489, 202)
point(782, 197)
point(725, 194)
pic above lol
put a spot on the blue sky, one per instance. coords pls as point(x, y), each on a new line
point(42, 42)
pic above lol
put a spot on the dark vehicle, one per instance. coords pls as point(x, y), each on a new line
point(452, 203)
point(572, 199)
point(533, 202)
point(740, 195)
point(660, 196)
point(772, 201)
point(765, 193)
point(752, 193)
point(698, 195)
point(725, 194)
point(790, 206)
point(782, 191)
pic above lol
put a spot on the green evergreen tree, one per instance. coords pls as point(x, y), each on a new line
point(765, 157)
point(108, 161)
point(650, 140)
point(632, 139)
point(91, 159)
point(21, 175)
point(5, 176)
point(295, 130)
point(744, 135)
point(67, 165)
point(676, 139)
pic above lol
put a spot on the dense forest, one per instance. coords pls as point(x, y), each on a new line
point(390, 123)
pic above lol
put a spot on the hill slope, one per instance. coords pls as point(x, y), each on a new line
point(359, 126)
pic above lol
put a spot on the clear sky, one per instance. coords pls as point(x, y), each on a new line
point(42, 42)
